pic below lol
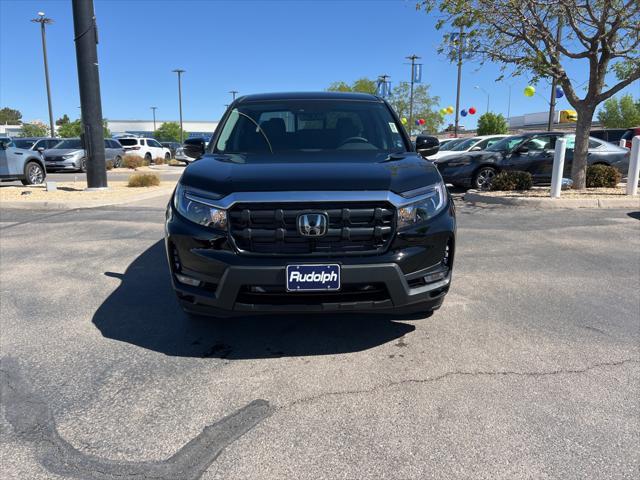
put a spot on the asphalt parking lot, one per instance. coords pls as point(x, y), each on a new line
point(530, 369)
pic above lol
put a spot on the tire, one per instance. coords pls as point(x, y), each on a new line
point(167, 156)
point(147, 157)
point(117, 162)
point(483, 177)
point(34, 174)
point(83, 165)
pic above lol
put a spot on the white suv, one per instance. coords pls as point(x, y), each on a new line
point(147, 148)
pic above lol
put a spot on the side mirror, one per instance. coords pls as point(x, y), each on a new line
point(194, 147)
point(3, 145)
point(523, 149)
point(475, 149)
point(427, 145)
point(40, 149)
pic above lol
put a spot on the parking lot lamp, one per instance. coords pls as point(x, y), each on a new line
point(233, 94)
point(180, 72)
point(478, 87)
point(43, 21)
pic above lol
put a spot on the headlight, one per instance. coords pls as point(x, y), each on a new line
point(196, 208)
point(432, 201)
point(69, 156)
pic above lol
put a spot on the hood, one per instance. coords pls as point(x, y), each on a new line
point(444, 154)
point(58, 152)
point(225, 174)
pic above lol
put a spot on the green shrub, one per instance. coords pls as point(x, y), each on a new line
point(506, 181)
point(133, 161)
point(602, 176)
point(109, 164)
point(144, 180)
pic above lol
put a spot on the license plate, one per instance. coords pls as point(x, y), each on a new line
point(313, 278)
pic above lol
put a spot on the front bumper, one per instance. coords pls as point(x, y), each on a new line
point(70, 165)
point(413, 275)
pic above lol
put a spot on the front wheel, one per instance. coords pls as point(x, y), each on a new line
point(33, 174)
point(83, 165)
point(167, 156)
point(483, 178)
point(117, 162)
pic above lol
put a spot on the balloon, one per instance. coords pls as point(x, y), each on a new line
point(463, 113)
point(472, 110)
point(450, 109)
point(417, 122)
point(404, 120)
point(529, 91)
point(559, 92)
point(422, 122)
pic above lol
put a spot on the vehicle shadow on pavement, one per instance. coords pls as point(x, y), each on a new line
point(143, 311)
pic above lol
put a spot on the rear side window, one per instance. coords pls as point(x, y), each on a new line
point(128, 142)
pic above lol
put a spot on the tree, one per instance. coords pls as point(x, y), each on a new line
point(74, 129)
point(63, 120)
point(34, 129)
point(363, 85)
point(622, 113)
point(169, 132)
point(492, 124)
point(424, 106)
point(9, 116)
point(522, 37)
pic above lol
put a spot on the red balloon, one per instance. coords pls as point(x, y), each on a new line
point(472, 110)
point(422, 122)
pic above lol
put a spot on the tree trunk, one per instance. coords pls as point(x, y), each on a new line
point(579, 164)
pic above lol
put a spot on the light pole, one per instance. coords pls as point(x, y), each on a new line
point(180, 72)
point(478, 87)
point(154, 117)
point(460, 46)
point(413, 59)
point(233, 94)
point(42, 20)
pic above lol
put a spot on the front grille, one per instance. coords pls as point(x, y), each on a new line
point(353, 228)
point(53, 159)
point(271, 295)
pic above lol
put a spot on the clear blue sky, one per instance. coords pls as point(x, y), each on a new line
point(249, 46)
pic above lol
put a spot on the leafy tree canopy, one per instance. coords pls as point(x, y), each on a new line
point(620, 113)
point(34, 129)
point(63, 120)
point(74, 129)
point(169, 132)
point(9, 116)
point(492, 124)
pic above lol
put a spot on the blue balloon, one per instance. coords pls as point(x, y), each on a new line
point(417, 122)
point(559, 92)
point(463, 113)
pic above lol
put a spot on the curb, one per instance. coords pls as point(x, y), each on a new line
point(72, 205)
point(547, 202)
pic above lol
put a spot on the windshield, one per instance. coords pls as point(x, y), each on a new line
point(310, 126)
point(450, 144)
point(464, 145)
point(506, 144)
point(22, 143)
point(69, 144)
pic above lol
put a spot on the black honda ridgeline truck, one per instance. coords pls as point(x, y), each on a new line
point(310, 202)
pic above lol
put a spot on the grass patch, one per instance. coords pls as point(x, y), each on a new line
point(109, 164)
point(144, 180)
point(159, 161)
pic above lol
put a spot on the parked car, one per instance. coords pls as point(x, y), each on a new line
point(611, 135)
point(147, 148)
point(530, 152)
point(69, 155)
point(470, 144)
point(39, 144)
point(20, 163)
point(182, 156)
point(629, 134)
point(310, 202)
point(172, 146)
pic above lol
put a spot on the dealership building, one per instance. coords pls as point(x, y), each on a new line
point(144, 128)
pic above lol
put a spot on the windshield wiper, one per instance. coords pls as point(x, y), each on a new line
point(259, 128)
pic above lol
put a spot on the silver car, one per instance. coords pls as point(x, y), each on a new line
point(36, 143)
point(68, 155)
point(20, 164)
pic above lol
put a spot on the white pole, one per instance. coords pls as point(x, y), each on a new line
point(634, 167)
point(622, 143)
point(558, 167)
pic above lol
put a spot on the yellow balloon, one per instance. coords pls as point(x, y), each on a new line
point(404, 120)
point(529, 91)
point(449, 109)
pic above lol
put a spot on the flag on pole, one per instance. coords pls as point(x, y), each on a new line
point(417, 73)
